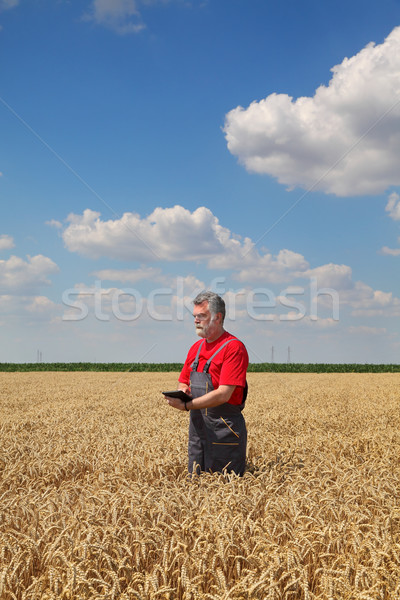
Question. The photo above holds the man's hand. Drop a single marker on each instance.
(209, 400)
(175, 402)
(185, 388)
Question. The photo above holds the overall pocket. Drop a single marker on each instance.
(225, 432)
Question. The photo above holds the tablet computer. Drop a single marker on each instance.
(178, 394)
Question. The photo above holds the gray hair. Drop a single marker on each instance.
(215, 303)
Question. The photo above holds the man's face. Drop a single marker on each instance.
(206, 324)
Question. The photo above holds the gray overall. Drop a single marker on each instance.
(217, 436)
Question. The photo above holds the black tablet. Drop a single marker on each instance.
(178, 394)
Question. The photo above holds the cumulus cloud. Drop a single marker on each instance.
(338, 277)
(367, 302)
(37, 308)
(390, 251)
(121, 16)
(393, 206)
(176, 234)
(6, 242)
(362, 298)
(169, 234)
(253, 266)
(20, 276)
(40, 304)
(344, 140)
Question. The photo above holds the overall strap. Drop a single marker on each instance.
(207, 365)
(195, 363)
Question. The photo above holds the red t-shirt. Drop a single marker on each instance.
(227, 368)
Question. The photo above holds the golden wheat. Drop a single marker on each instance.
(95, 502)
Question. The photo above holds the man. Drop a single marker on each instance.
(214, 375)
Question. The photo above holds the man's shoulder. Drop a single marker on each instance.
(232, 349)
(234, 341)
(231, 336)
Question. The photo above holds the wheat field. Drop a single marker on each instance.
(95, 502)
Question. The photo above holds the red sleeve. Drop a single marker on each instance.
(234, 365)
(184, 376)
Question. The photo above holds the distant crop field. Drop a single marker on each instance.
(95, 502)
(167, 367)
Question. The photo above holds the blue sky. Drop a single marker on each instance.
(152, 148)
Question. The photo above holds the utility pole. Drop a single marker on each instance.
(288, 355)
(272, 354)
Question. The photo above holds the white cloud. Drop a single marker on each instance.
(6, 242)
(362, 296)
(338, 277)
(54, 223)
(268, 268)
(41, 305)
(344, 140)
(38, 308)
(176, 234)
(390, 251)
(167, 234)
(367, 302)
(19, 276)
(393, 206)
(121, 16)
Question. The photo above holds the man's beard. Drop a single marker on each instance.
(203, 331)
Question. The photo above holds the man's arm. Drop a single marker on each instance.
(214, 398)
